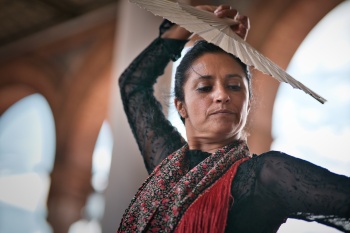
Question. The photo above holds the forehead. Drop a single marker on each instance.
(216, 62)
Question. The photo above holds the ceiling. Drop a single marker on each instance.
(21, 18)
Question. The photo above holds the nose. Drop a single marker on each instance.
(221, 95)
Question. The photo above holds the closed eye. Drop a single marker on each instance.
(204, 89)
(235, 87)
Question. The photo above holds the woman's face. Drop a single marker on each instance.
(216, 98)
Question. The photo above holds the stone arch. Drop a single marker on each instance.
(283, 39)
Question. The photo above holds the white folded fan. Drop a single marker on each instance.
(217, 31)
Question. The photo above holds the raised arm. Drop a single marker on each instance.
(155, 136)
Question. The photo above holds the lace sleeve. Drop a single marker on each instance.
(155, 136)
(306, 191)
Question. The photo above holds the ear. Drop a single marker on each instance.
(180, 106)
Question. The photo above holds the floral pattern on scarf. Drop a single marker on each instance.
(171, 188)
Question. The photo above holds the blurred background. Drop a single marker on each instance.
(68, 160)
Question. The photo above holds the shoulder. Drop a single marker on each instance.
(276, 159)
(260, 172)
(275, 166)
(267, 160)
(273, 155)
(270, 169)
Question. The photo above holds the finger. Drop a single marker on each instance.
(243, 32)
(240, 30)
(244, 20)
(225, 11)
(223, 7)
(229, 13)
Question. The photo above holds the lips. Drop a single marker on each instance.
(222, 111)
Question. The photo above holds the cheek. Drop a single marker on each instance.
(196, 107)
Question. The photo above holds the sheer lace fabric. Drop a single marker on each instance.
(267, 189)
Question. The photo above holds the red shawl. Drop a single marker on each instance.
(176, 199)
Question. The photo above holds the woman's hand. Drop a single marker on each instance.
(240, 29)
(222, 11)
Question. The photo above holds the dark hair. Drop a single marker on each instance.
(200, 48)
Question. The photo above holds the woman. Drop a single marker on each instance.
(211, 183)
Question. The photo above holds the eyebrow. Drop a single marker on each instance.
(228, 76)
(209, 77)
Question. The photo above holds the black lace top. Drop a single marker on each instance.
(267, 189)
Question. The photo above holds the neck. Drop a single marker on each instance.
(209, 145)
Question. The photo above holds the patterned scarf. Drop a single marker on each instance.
(174, 198)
